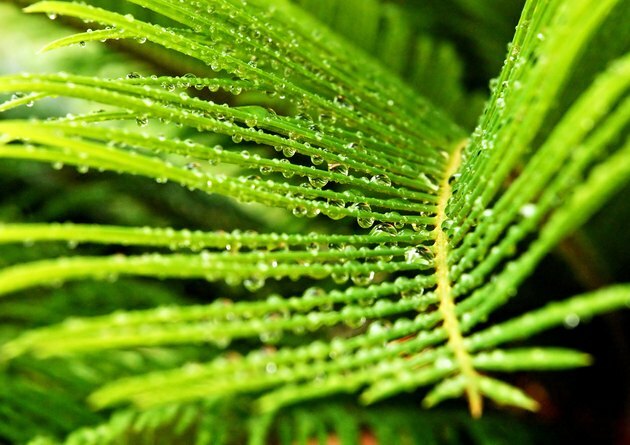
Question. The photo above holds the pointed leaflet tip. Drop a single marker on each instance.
(506, 394)
(36, 7)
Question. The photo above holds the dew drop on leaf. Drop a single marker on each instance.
(222, 342)
(412, 293)
(317, 160)
(444, 363)
(288, 151)
(418, 255)
(381, 180)
(299, 211)
(362, 278)
(338, 168)
(253, 284)
(336, 204)
(527, 210)
(384, 229)
(317, 182)
(364, 222)
(142, 121)
(340, 277)
(168, 86)
(571, 321)
(271, 336)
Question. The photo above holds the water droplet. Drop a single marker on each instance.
(299, 211)
(418, 255)
(286, 173)
(253, 284)
(52, 15)
(364, 222)
(270, 337)
(356, 322)
(338, 168)
(336, 204)
(385, 256)
(467, 280)
(412, 293)
(317, 160)
(454, 178)
(288, 151)
(417, 227)
(142, 121)
(444, 363)
(222, 342)
(528, 210)
(384, 228)
(170, 87)
(429, 181)
(340, 277)
(317, 182)
(362, 278)
(377, 328)
(314, 292)
(313, 212)
(381, 180)
(133, 75)
(571, 321)
(273, 334)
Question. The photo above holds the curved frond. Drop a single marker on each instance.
(408, 233)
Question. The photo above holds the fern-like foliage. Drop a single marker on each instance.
(434, 227)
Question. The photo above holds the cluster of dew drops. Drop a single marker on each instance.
(419, 254)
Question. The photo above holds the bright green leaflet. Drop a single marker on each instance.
(448, 224)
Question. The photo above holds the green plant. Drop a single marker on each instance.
(434, 228)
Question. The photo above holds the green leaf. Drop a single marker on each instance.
(386, 236)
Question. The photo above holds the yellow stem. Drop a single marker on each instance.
(444, 289)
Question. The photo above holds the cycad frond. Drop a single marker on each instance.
(435, 230)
